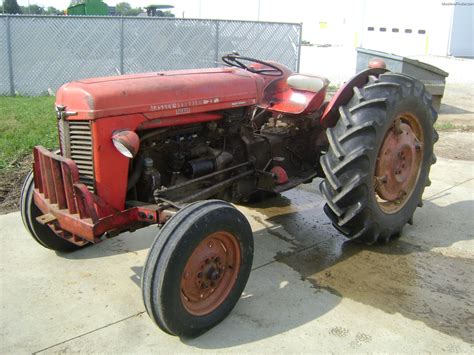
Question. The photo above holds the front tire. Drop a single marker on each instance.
(379, 158)
(197, 268)
(39, 232)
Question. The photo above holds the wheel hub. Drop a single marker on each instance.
(398, 163)
(210, 273)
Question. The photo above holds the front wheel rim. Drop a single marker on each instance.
(210, 273)
(399, 163)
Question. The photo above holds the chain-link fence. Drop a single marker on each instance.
(40, 53)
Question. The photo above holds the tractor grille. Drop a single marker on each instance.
(76, 143)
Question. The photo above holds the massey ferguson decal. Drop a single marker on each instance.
(184, 104)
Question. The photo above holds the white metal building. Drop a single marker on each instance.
(419, 27)
(405, 27)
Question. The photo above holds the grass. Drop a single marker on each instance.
(445, 126)
(24, 123)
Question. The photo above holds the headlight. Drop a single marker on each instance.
(126, 142)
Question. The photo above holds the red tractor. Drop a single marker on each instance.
(169, 148)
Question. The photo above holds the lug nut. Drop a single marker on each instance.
(396, 126)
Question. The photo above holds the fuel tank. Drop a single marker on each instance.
(161, 94)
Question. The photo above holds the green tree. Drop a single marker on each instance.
(125, 9)
(33, 10)
(135, 11)
(122, 8)
(11, 7)
(53, 11)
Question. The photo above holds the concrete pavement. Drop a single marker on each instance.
(309, 290)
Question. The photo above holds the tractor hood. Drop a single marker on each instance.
(161, 94)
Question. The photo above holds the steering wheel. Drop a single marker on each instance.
(234, 60)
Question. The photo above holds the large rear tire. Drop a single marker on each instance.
(197, 268)
(39, 232)
(379, 158)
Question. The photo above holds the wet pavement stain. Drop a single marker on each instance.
(398, 277)
(274, 230)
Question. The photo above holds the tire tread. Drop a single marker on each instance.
(352, 141)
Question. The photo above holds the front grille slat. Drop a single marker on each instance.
(81, 159)
(86, 181)
(87, 175)
(78, 148)
(76, 143)
(81, 137)
(84, 155)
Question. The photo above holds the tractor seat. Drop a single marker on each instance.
(306, 82)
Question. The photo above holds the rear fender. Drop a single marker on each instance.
(344, 94)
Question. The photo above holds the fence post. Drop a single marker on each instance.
(216, 49)
(299, 48)
(121, 45)
(9, 56)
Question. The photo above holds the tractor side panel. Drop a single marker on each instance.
(111, 167)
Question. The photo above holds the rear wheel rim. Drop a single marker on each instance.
(399, 163)
(210, 273)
